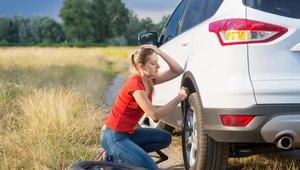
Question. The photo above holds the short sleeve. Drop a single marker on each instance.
(135, 83)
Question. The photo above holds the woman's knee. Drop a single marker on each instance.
(166, 137)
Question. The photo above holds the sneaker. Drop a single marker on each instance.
(100, 154)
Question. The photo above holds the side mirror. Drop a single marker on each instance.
(148, 38)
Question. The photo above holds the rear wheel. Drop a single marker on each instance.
(199, 150)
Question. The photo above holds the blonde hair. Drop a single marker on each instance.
(141, 56)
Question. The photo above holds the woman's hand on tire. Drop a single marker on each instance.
(184, 93)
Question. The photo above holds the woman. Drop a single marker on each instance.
(121, 140)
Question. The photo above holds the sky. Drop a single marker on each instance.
(155, 9)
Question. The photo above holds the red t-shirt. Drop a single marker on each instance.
(125, 112)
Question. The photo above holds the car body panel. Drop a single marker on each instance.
(254, 132)
(274, 67)
(167, 91)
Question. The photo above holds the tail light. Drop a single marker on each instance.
(236, 120)
(242, 31)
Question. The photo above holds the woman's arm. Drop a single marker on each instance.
(157, 113)
(174, 68)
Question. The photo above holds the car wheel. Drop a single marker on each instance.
(199, 150)
(148, 122)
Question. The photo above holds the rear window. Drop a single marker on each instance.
(287, 8)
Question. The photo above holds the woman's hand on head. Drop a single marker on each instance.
(183, 93)
(153, 47)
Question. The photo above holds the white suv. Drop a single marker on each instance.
(242, 66)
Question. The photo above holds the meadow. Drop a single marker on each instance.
(52, 102)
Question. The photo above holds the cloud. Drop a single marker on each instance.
(154, 9)
(152, 5)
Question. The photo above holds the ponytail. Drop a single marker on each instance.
(132, 64)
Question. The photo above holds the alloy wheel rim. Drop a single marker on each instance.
(190, 136)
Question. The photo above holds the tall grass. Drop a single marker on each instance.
(51, 102)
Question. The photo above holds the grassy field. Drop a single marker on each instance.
(51, 103)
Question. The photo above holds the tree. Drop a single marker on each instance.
(4, 28)
(133, 29)
(117, 16)
(23, 29)
(98, 12)
(51, 31)
(147, 24)
(109, 19)
(13, 33)
(77, 19)
(34, 28)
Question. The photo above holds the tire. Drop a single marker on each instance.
(199, 150)
(100, 165)
(148, 122)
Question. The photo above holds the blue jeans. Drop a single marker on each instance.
(133, 149)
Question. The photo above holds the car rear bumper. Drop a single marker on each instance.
(270, 123)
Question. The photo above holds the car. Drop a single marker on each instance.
(241, 63)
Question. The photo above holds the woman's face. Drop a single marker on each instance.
(151, 67)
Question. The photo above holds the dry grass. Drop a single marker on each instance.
(51, 100)
(272, 161)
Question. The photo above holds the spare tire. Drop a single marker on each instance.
(100, 165)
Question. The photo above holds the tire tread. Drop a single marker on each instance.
(212, 155)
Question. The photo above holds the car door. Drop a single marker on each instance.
(177, 39)
(169, 43)
(179, 47)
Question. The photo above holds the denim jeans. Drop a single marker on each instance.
(133, 149)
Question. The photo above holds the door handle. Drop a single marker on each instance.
(185, 42)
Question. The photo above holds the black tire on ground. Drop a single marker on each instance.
(101, 165)
(200, 152)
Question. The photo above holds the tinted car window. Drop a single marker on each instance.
(171, 28)
(287, 8)
(194, 14)
(212, 7)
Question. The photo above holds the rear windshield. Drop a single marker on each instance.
(287, 8)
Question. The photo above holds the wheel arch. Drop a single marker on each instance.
(189, 81)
